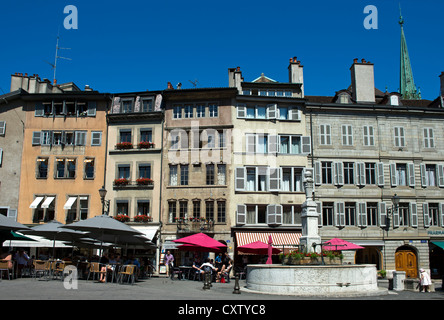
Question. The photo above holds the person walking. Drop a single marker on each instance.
(425, 281)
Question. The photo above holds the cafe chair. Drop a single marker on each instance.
(178, 272)
(129, 272)
(41, 268)
(95, 268)
(58, 270)
(4, 266)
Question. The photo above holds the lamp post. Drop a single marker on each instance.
(392, 210)
(102, 193)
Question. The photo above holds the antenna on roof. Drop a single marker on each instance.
(194, 83)
(54, 66)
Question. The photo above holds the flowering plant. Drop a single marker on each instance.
(144, 181)
(145, 145)
(124, 145)
(142, 218)
(122, 217)
(121, 182)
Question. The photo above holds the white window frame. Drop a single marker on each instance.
(325, 134)
(399, 136)
(347, 135)
(429, 140)
(368, 136)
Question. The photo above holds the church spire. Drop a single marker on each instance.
(407, 85)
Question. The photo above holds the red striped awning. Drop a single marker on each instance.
(278, 238)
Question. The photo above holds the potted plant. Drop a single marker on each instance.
(122, 217)
(145, 145)
(142, 218)
(121, 182)
(124, 145)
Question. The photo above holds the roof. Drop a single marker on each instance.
(263, 79)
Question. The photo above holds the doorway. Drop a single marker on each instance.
(369, 255)
(405, 260)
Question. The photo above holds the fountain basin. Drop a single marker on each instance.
(312, 280)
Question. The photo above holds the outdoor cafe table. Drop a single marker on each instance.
(186, 271)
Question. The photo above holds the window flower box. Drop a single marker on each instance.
(121, 182)
(142, 218)
(122, 218)
(144, 181)
(124, 145)
(145, 145)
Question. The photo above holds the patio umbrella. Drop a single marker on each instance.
(337, 244)
(10, 224)
(257, 247)
(11, 235)
(201, 240)
(270, 250)
(54, 230)
(190, 247)
(103, 225)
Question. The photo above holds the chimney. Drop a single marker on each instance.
(441, 76)
(296, 73)
(363, 81)
(235, 78)
(170, 86)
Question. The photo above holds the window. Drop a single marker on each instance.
(65, 168)
(256, 214)
(183, 209)
(127, 106)
(433, 214)
(147, 105)
(327, 172)
(46, 138)
(221, 174)
(256, 179)
(257, 143)
(222, 139)
(42, 168)
(196, 208)
(96, 138)
(347, 135)
(89, 168)
(125, 136)
(123, 171)
(221, 211)
(171, 211)
(283, 113)
(291, 180)
(145, 171)
(399, 137)
(143, 207)
(369, 139)
(261, 112)
(209, 210)
(200, 111)
(370, 173)
(350, 214)
(325, 134)
(404, 215)
(183, 174)
(173, 175)
(401, 174)
(349, 173)
(291, 214)
(177, 112)
(289, 144)
(122, 207)
(188, 111)
(146, 135)
(57, 138)
(430, 175)
(77, 208)
(80, 139)
(372, 214)
(213, 110)
(210, 174)
(429, 141)
(44, 210)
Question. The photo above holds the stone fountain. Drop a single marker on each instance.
(313, 280)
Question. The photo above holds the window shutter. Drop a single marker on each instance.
(306, 144)
(12, 214)
(275, 175)
(272, 111)
(240, 178)
(425, 211)
(96, 138)
(36, 137)
(380, 174)
(91, 109)
(393, 179)
(423, 175)
(413, 214)
(241, 214)
(278, 214)
(440, 175)
(2, 128)
(1, 157)
(241, 111)
(317, 173)
(363, 213)
(80, 138)
(441, 213)
(274, 214)
(396, 220)
(340, 214)
(39, 109)
(360, 174)
(338, 177)
(295, 114)
(382, 214)
(319, 210)
(411, 174)
(273, 144)
(251, 143)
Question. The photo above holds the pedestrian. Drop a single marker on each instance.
(169, 261)
(425, 281)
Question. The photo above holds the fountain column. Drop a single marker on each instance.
(310, 216)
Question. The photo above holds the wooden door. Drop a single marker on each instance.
(406, 261)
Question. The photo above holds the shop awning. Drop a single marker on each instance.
(69, 203)
(279, 238)
(148, 232)
(36, 202)
(47, 202)
(439, 244)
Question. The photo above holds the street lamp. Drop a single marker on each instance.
(392, 210)
(102, 193)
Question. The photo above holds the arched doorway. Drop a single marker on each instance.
(406, 260)
(369, 255)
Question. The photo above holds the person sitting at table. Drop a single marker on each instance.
(22, 261)
(226, 268)
(196, 266)
(218, 261)
(207, 267)
(6, 255)
(103, 269)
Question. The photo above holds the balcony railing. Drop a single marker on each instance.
(194, 225)
(141, 183)
(130, 146)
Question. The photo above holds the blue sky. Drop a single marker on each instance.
(125, 46)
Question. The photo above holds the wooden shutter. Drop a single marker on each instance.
(362, 212)
(250, 143)
(317, 173)
(96, 138)
(36, 138)
(338, 177)
(340, 214)
(272, 111)
(411, 174)
(413, 214)
(240, 178)
(12, 214)
(380, 174)
(440, 175)
(241, 111)
(241, 214)
(275, 175)
(306, 144)
(382, 214)
(294, 114)
(273, 144)
(441, 213)
(393, 179)
(423, 175)
(425, 211)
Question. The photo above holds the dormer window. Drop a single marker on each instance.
(344, 98)
(394, 100)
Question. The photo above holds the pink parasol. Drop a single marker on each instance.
(257, 247)
(337, 244)
(270, 250)
(191, 247)
(201, 240)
